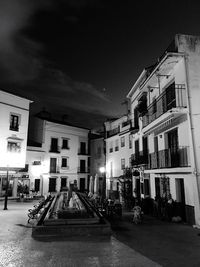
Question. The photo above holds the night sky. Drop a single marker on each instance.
(81, 57)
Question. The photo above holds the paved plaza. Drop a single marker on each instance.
(154, 243)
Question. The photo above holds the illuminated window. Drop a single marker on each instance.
(14, 147)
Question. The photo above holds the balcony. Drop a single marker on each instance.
(172, 98)
(169, 159)
(139, 159)
(83, 152)
(83, 170)
(54, 149)
(54, 169)
(113, 132)
(126, 123)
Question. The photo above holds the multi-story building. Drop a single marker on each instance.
(14, 117)
(118, 152)
(62, 158)
(165, 99)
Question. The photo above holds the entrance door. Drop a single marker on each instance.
(180, 198)
(52, 184)
(82, 184)
(157, 187)
(63, 182)
(37, 185)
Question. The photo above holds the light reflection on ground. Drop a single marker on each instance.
(18, 248)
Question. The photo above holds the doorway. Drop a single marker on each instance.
(180, 198)
(63, 183)
(52, 185)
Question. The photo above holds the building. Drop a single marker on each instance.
(60, 156)
(97, 162)
(118, 141)
(165, 99)
(14, 117)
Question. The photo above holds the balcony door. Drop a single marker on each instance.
(173, 147)
(54, 144)
(83, 148)
(82, 165)
(171, 97)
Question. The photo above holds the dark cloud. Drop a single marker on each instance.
(25, 69)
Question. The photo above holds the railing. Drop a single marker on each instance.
(83, 152)
(54, 169)
(55, 149)
(169, 159)
(140, 158)
(113, 132)
(83, 170)
(125, 123)
(172, 97)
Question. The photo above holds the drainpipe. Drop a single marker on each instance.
(191, 128)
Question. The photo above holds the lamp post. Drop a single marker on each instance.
(6, 193)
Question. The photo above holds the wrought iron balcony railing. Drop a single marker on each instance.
(173, 97)
(169, 159)
(139, 159)
(54, 149)
(83, 170)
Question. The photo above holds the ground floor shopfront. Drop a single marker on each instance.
(17, 184)
(46, 183)
(154, 188)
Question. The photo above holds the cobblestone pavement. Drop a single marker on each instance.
(18, 248)
(154, 243)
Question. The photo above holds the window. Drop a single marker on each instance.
(14, 147)
(122, 141)
(65, 143)
(122, 164)
(64, 163)
(14, 122)
(111, 147)
(54, 145)
(130, 141)
(117, 145)
(82, 148)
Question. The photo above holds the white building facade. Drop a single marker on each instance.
(118, 153)
(165, 98)
(14, 117)
(61, 160)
